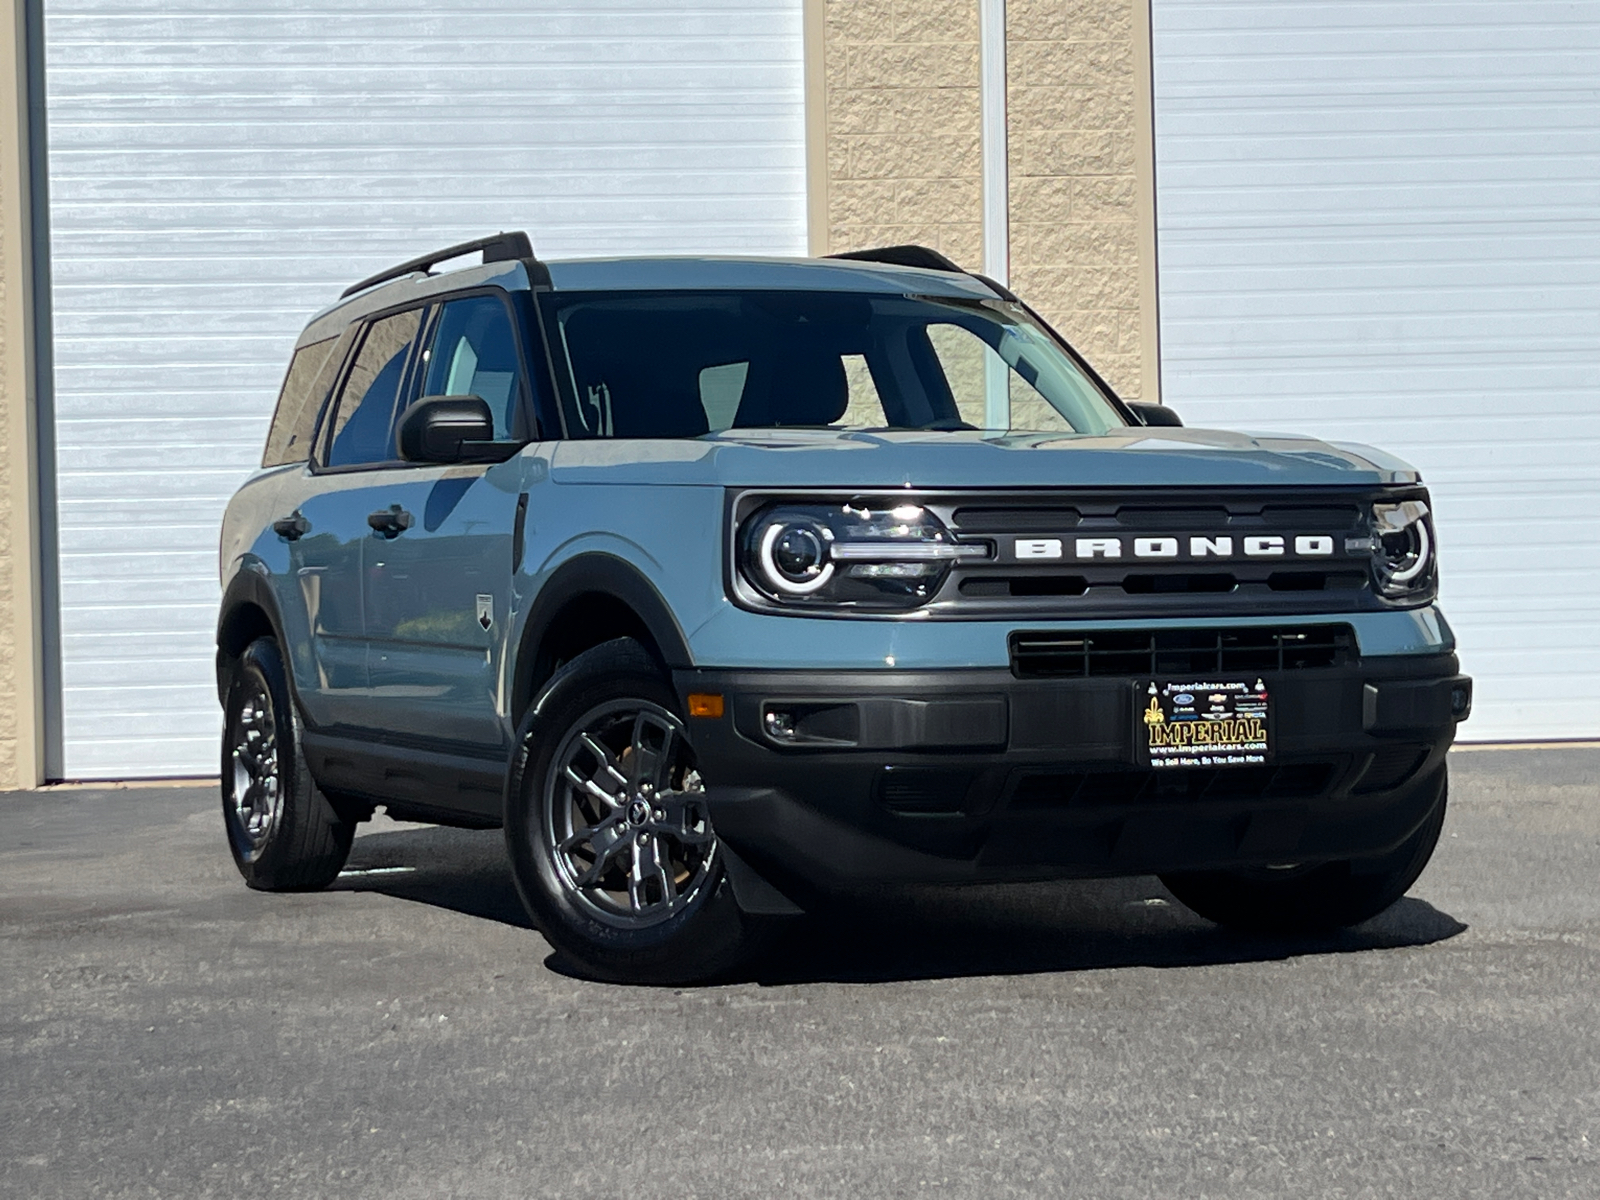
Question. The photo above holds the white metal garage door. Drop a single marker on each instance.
(1379, 220)
(219, 171)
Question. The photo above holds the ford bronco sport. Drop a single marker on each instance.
(726, 584)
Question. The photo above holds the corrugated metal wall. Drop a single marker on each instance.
(1379, 220)
(219, 171)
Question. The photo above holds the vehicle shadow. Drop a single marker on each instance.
(908, 933)
(463, 870)
(1072, 925)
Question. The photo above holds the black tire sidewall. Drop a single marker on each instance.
(695, 944)
(305, 818)
(1328, 897)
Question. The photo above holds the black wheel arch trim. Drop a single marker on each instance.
(596, 572)
(250, 587)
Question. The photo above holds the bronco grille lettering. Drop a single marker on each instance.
(1170, 548)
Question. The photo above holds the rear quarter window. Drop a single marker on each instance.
(295, 419)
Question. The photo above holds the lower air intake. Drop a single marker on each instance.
(1165, 651)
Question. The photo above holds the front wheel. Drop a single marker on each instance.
(1297, 900)
(608, 830)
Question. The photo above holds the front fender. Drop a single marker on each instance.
(586, 574)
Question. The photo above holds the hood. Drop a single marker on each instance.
(857, 460)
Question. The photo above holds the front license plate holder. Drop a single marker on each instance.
(1202, 722)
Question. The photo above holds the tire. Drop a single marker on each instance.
(608, 833)
(1313, 899)
(284, 834)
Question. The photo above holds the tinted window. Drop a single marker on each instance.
(688, 363)
(295, 419)
(363, 424)
(474, 353)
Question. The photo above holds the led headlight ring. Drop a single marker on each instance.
(1420, 563)
(776, 577)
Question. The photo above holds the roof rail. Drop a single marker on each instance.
(928, 259)
(502, 247)
(903, 256)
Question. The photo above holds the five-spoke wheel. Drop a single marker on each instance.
(627, 817)
(609, 829)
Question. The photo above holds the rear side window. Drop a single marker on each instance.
(363, 421)
(295, 419)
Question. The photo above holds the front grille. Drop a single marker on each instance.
(1105, 554)
(1288, 781)
(1180, 651)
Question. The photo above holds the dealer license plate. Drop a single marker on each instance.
(1203, 723)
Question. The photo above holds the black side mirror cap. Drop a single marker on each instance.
(1154, 414)
(450, 429)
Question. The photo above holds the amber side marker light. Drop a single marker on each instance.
(705, 704)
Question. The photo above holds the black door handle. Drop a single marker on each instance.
(291, 528)
(391, 521)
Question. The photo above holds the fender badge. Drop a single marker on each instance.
(485, 611)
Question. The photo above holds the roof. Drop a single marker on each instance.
(775, 274)
(660, 273)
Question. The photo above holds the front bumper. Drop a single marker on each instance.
(975, 775)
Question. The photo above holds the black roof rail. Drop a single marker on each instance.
(925, 257)
(903, 256)
(502, 247)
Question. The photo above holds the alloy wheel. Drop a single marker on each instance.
(626, 818)
(257, 793)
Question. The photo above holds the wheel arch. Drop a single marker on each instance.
(248, 611)
(591, 599)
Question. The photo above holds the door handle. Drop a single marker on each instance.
(291, 528)
(391, 522)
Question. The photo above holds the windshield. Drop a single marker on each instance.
(682, 364)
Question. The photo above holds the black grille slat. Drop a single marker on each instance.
(1252, 649)
(1390, 767)
(1014, 520)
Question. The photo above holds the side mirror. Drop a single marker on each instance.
(1154, 414)
(450, 429)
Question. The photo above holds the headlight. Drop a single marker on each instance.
(1402, 546)
(858, 554)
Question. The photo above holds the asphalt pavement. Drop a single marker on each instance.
(164, 1032)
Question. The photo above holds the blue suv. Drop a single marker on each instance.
(724, 585)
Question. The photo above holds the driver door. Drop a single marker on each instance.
(438, 591)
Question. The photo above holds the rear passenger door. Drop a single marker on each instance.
(333, 503)
(438, 592)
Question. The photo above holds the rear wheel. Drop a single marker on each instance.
(284, 834)
(608, 830)
(1314, 898)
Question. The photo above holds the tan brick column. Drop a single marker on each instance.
(896, 131)
(902, 125)
(21, 699)
(1075, 121)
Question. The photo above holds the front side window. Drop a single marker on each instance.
(295, 418)
(682, 364)
(474, 353)
(363, 420)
